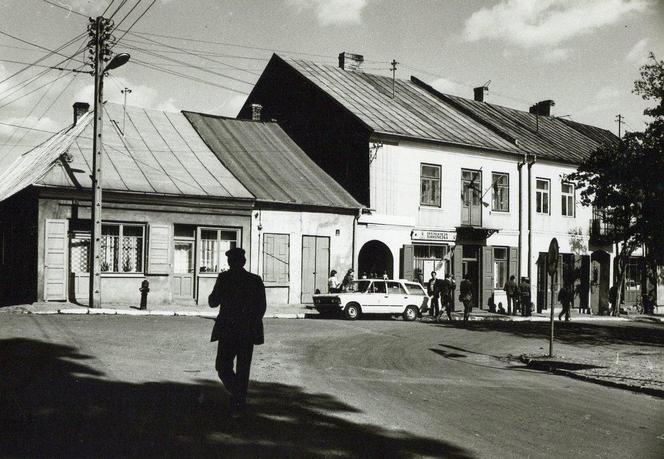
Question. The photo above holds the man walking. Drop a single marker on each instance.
(446, 289)
(239, 325)
(565, 298)
(466, 296)
(433, 290)
(524, 292)
(511, 290)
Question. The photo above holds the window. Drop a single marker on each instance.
(276, 257)
(395, 288)
(500, 266)
(542, 196)
(501, 192)
(121, 248)
(429, 258)
(430, 185)
(378, 287)
(567, 199)
(213, 245)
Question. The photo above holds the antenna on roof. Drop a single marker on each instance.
(124, 91)
(394, 71)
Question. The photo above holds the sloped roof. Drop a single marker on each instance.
(269, 163)
(419, 111)
(413, 112)
(32, 165)
(160, 153)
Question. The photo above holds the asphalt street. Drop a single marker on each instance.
(117, 386)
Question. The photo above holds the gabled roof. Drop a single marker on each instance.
(419, 111)
(160, 153)
(269, 163)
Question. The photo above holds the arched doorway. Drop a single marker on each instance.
(375, 257)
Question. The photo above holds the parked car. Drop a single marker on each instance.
(375, 296)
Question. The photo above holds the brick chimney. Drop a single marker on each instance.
(349, 61)
(542, 108)
(256, 112)
(479, 93)
(80, 109)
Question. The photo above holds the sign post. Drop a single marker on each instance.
(552, 268)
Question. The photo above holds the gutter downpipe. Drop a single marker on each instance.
(519, 166)
(532, 161)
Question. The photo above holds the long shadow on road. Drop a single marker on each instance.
(54, 405)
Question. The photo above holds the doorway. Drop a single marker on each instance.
(375, 259)
(315, 266)
(471, 197)
(599, 281)
(183, 269)
(470, 268)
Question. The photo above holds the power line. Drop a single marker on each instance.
(52, 67)
(134, 23)
(138, 2)
(68, 9)
(31, 128)
(34, 90)
(122, 3)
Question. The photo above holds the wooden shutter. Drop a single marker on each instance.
(514, 264)
(276, 257)
(55, 260)
(487, 277)
(408, 262)
(458, 265)
(159, 249)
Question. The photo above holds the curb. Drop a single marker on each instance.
(542, 366)
(161, 313)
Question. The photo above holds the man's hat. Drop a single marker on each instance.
(235, 253)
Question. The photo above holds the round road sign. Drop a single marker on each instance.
(552, 257)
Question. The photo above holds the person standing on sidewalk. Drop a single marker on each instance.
(446, 292)
(433, 290)
(239, 325)
(524, 292)
(565, 298)
(512, 292)
(333, 282)
(466, 296)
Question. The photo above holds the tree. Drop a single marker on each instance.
(626, 178)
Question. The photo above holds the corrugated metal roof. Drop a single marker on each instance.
(269, 163)
(159, 153)
(29, 167)
(599, 135)
(413, 112)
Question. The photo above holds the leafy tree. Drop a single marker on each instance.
(626, 179)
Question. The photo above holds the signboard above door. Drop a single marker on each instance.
(425, 235)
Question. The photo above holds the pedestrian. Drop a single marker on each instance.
(446, 292)
(333, 282)
(363, 276)
(385, 276)
(565, 298)
(613, 299)
(511, 290)
(239, 325)
(524, 291)
(433, 290)
(347, 282)
(466, 296)
(452, 293)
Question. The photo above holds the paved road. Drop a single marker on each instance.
(128, 386)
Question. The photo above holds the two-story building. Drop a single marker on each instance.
(450, 184)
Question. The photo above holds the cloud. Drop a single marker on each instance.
(607, 93)
(333, 12)
(449, 87)
(140, 96)
(529, 24)
(553, 55)
(639, 52)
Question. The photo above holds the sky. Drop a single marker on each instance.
(583, 54)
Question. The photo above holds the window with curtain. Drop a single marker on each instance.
(501, 192)
(214, 242)
(122, 248)
(500, 266)
(430, 185)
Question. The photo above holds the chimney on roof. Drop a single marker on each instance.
(80, 109)
(256, 112)
(350, 61)
(542, 108)
(479, 93)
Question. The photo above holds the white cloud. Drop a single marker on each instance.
(607, 93)
(528, 23)
(333, 12)
(639, 52)
(449, 87)
(553, 55)
(140, 96)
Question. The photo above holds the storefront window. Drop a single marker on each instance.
(431, 258)
(213, 245)
(500, 267)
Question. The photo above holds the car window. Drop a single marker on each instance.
(415, 289)
(359, 286)
(395, 288)
(378, 287)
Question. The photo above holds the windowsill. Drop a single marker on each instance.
(568, 216)
(130, 275)
(208, 274)
(430, 206)
(276, 284)
(501, 212)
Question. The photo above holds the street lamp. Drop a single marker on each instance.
(100, 32)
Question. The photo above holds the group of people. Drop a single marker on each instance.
(333, 284)
(518, 296)
(441, 294)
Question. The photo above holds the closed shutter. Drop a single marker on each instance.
(514, 263)
(577, 281)
(55, 260)
(408, 262)
(458, 264)
(159, 254)
(276, 257)
(487, 277)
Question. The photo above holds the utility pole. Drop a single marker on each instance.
(394, 72)
(125, 91)
(620, 120)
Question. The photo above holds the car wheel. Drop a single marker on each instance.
(352, 311)
(410, 313)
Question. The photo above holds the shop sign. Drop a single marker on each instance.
(423, 235)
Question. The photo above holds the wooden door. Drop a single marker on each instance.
(183, 269)
(315, 266)
(55, 260)
(487, 277)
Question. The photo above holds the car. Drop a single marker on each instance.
(375, 296)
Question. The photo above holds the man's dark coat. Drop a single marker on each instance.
(241, 296)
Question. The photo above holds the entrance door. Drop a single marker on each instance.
(470, 268)
(633, 281)
(55, 260)
(315, 266)
(183, 269)
(471, 198)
